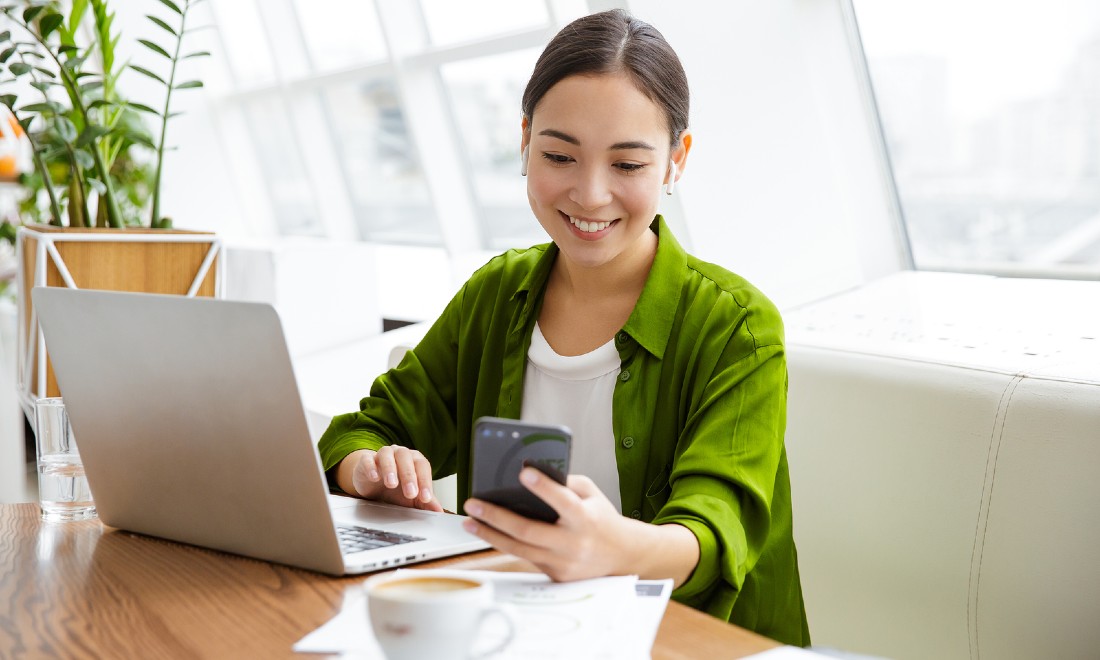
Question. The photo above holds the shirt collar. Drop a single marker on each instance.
(650, 324)
(535, 281)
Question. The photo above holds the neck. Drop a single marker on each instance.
(623, 276)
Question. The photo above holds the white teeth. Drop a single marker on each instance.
(590, 227)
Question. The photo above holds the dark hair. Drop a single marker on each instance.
(614, 42)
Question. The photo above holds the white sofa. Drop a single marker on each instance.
(944, 438)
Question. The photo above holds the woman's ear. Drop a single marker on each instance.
(524, 146)
(680, 151)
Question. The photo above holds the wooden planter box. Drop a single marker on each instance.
(168, 261)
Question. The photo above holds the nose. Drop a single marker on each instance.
(590, 189)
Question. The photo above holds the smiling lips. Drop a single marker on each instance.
(589, 226)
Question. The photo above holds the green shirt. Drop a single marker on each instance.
(698, 415)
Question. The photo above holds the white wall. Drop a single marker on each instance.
(785, 184)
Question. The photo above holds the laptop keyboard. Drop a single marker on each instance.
(358, 539)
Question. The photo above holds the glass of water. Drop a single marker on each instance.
(62, 487)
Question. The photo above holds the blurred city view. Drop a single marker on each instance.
(992, 123)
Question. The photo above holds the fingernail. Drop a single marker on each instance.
(391, 480)
(473, 508)
(470, 526)
(410, 491)
(529, 476)
(425, 495)
(374, 475)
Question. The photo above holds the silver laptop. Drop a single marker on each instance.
(191, 428)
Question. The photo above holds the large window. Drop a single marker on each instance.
(394, 122)
(991, 115)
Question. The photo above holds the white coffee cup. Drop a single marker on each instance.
(428, 615)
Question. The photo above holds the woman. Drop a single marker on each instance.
(670, 371)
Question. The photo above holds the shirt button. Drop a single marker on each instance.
(628, 442)
(636, 514)
(624, 376)
(623, 337)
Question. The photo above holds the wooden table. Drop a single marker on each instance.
(86, 590)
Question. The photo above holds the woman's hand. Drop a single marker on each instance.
(393, 474)
(589, 539)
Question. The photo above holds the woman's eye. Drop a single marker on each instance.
(558, 159)
(629, 167)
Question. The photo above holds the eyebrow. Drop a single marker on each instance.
(618, 146)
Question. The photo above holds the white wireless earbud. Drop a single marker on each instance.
(673, 172)
(523, 160)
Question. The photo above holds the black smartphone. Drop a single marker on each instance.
(503, 447)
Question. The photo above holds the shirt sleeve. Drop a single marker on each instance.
(411, 405)
(724, 473)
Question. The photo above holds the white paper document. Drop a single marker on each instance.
(604, 618)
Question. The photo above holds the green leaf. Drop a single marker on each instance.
(139, 138)
(46, 72)
(97, 185)
(171, 5)
(153, 47)
(84, 159)
(67, 48)
(8, 52)
(149, 73)
(30, 12)
(49, 155)
(49, 106)
(65, 128)
(42, 86)
(89, 86)
(190, 84)
(141, 108)
(163, 25)
(74, 63)
(175, 114)
(49, 23)
(8, 100)
(5, 35)
(76, 14)
(18, 69)
(201, 53)
(90, 133)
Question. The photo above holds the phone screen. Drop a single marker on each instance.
(502, 447)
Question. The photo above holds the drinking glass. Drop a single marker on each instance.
(63, 490)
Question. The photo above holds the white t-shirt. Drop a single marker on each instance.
(577, 391)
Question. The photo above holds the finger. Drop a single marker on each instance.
(530, 532)
(423, 478)
(405, 459)
(368, 467)
(364, 469)
(559, 497)
(582, 486)
(505, 543)
(434, 505)
(387, 466)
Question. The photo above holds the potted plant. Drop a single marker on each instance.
(97, 174)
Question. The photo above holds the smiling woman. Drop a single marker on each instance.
(670, 371)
